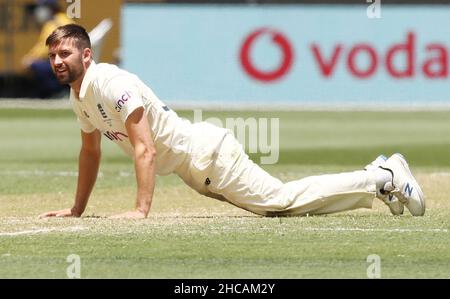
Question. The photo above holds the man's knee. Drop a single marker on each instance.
(271, 208)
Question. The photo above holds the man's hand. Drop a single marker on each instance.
(60, 213)
(130, 215)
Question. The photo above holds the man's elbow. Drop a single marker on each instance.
(151, 154)
(145, 153)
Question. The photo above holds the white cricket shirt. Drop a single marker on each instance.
(108, 95)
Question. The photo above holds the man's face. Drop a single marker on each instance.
(66, 61)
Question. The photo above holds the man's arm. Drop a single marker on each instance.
(88, 165)
(138, 130)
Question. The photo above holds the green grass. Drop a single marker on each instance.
(190, 236)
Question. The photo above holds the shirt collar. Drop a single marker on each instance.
(88, 77)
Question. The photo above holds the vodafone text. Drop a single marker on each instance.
(400, 60)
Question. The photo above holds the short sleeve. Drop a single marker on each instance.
(123, 96)
(85, 124)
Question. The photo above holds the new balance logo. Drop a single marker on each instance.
(408, 189)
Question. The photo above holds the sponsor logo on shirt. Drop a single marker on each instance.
(85, 114)
(111, 135)
(102, 111)
(123, 99)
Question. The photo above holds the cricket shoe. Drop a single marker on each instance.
(403, 185)
(395, 205)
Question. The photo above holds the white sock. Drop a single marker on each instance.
(383, 180)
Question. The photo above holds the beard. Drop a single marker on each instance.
(71, 72)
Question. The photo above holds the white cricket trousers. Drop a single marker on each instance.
(244, 184)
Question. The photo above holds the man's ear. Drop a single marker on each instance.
(87, 55)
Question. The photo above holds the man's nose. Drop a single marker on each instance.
(58, 60)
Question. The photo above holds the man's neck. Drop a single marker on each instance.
(76, 85)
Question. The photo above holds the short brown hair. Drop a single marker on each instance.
(74, 31)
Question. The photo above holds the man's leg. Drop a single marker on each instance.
(244, 184)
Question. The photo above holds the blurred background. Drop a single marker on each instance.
(245, 53)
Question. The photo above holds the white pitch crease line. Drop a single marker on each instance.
(31, 173)
(393, 230)
(125, 173)
(43, 231)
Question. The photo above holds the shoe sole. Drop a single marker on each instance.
(393, 210)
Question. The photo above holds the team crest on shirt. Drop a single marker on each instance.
(122, 101)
